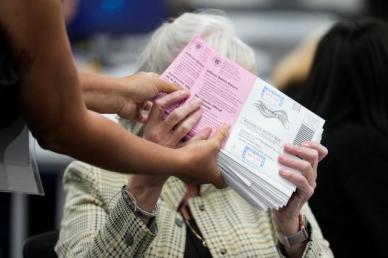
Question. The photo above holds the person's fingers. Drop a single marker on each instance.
(161, 104)
(186, 125)
(308, 154)
(221, 134)
(204, 134)
(300, 165)
(322, 150)
(299, 181)
(180, 113)
(165, 86)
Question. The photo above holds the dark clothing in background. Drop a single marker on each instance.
(351, 198)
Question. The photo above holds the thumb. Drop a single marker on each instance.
(221, 134)
(166, 87)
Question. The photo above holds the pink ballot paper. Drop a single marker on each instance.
(263, 120)
(222, 85)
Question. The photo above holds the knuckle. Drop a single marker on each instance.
(154, 136)
(159, 103)
(305, 166)
(183, 129)
(186, 127)
(298, 149)
(300, 180)
(176, 114)
(314, 154)
(293, 177)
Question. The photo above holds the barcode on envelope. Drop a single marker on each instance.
(304, 134)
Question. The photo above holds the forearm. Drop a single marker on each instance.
(52, 102)
(61, 123)
(103, 94)
(96, 140)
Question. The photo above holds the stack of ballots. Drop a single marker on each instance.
(262, 121)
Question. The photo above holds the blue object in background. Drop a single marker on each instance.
(116, 17)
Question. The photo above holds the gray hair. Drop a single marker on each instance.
(170, 38)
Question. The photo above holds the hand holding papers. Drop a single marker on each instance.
(263, 120)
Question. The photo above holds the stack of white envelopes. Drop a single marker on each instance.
(263, 120)
(249, 159)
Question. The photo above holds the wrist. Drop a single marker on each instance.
(181, 161)
(146, 190)
(287, 224)
(128, 89)
(294, 243)
(144, 215)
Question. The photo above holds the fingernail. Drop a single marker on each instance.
(283, 158)
(283, 173)
(197, 101)
(306, 144)
(288, 146)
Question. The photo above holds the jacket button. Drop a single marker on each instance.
(129, 239)
(179, 222)
(201, 207)
(223, 251)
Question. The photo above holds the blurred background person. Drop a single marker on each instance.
(348, 86)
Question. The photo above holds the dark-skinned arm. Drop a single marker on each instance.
(55, 111)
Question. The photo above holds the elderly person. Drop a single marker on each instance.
(110, 214)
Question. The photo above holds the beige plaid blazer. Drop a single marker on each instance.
(98, 223)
